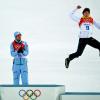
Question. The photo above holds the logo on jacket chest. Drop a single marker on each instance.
(18, 45)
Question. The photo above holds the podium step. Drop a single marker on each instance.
(31, 92)
(80, 96)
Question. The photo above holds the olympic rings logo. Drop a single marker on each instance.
(29, 94)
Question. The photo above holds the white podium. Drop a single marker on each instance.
(80, 96)
(31, 92)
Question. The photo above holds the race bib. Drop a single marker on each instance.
(86, 27)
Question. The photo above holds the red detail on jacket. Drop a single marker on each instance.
(18, 46)
(86, 20)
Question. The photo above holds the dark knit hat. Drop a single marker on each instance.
(86, 9)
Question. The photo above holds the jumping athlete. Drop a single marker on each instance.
(19, 50)
(86, 23)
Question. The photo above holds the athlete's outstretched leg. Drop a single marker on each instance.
(80, 49)
(94, 43)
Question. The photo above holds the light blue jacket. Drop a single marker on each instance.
(19, 58)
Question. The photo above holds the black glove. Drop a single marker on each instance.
(20, 50)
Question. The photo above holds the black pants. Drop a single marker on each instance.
(82, 44)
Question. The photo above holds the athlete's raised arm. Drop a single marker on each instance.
(73, 16)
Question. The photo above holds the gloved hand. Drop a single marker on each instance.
(20, 50)
(78, 7)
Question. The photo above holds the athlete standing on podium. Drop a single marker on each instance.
(86, 23)
(19, 50)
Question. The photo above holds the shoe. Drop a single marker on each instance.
(67, 61)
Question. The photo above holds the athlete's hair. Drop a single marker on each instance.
(86, 9)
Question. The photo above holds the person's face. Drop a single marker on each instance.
(86, 14)
(18, 37)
